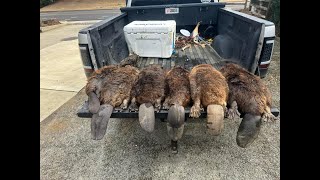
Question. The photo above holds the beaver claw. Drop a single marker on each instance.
(269, 117)
(124, 106)
(157, 108)
(195, 112)
(118, 109)
(133, 107)
(165, 106)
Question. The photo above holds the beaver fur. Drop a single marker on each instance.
(251, 96)
(94, 85)
(178, 96)
(209, 89)
(149, 87)
(247, 90)
(112, 86)
(177, 87)
(131, 60)
(148, 93)
(116, 88)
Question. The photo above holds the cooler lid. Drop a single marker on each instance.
(150, 26)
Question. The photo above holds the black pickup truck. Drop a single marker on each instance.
(243, 38)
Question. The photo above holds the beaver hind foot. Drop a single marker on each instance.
(147, 117)
(195, 111)
(94, 103)
(175, 125)
(215, 117)
(248, 130)
(232, 112)
(269, 117)
(99, 121)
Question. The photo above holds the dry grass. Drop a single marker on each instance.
(50, 22)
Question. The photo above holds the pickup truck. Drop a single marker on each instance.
(241, 37)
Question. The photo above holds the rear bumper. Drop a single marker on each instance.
(263, 72)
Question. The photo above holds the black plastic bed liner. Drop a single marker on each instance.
(188, 58)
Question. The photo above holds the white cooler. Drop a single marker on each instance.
(151, 38)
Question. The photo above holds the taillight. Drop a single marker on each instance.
(88, 71)
(264, 66)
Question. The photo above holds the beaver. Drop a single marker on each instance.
(94, 82)
(148, 93)
(94, 85)
(177, 92)
(209, 89)
(111, 87)
(250, 95)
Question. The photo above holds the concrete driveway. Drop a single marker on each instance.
(128, 152)
(61, 72)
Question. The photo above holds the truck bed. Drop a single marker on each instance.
(104, 43)
(188, 58)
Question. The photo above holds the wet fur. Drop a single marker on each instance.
(208, 85)
(116, 88)
(177, 87)
(108, 88)
(130, 60)
(150, 85)
(94, 83)
(112, 84)
(177, 98)
(248, 90)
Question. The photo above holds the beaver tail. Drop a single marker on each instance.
(147, 117)
(175, 125)
(215, 119)
(99, 121)
(248, 130)
(94, 103)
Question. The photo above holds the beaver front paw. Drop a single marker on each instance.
(195, 112)
(133, 107)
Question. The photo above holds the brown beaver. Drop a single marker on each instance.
(177, 93)
(148, 92)
(110, 87)
(209, 89)
(94, 85)
(252, 97)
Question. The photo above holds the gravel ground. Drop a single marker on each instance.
(127, 152)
